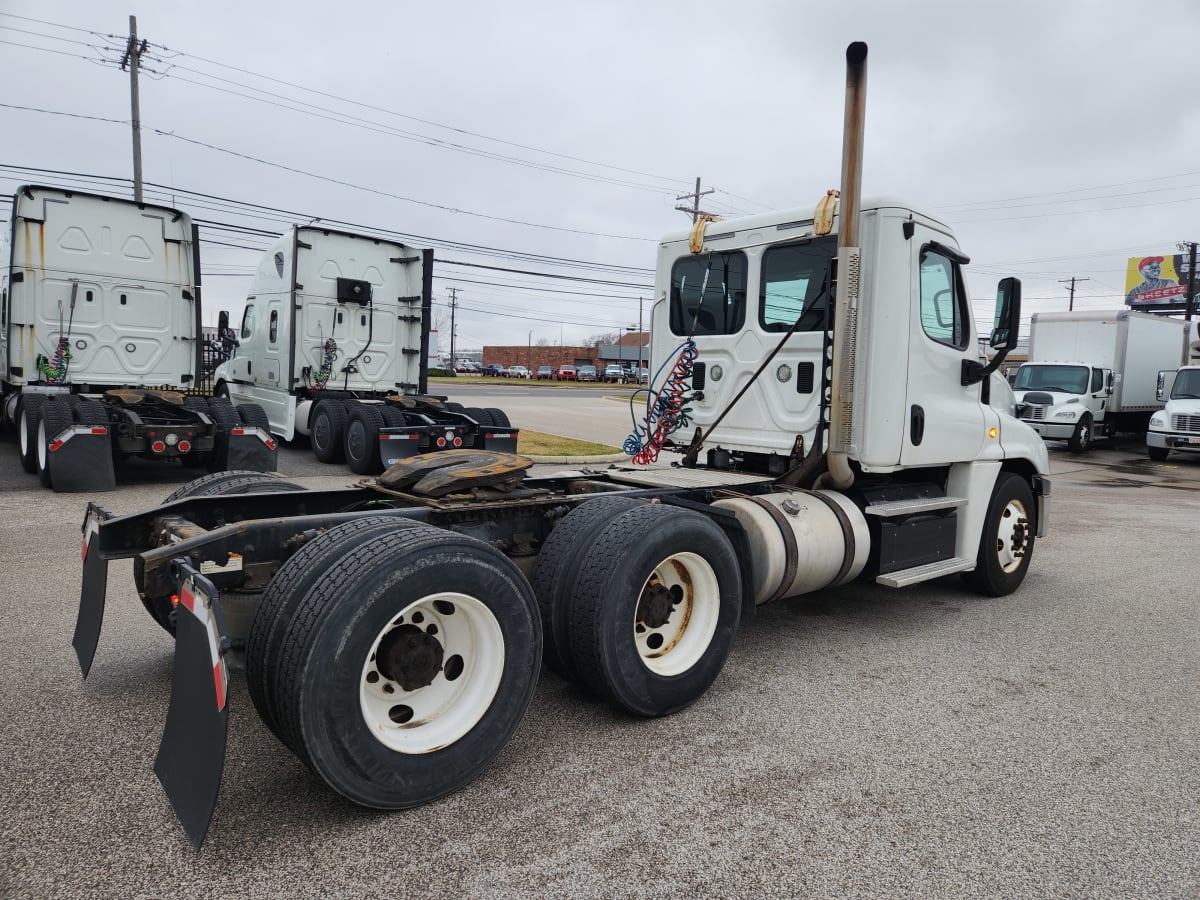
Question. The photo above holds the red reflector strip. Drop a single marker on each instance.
(400, 437)
(99, 429)
(200, 606)
(237, 431)
(270, 443)
(496, 434)
(54, 445)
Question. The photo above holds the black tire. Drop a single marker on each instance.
(499, 418)
(1081, 440)
(225, 417)
(555, 571)
(1006, 545)
(29, 416)
(362, 439)
(451, 406)
(1158, 454)
(286, 589)
(254, 416)
(480, 415)
(55, 416)
(334, 705)
(327, 431)
(218, 483)
(196, 402)
(90, 412)
(393, 417)
(221, 392)
(646, 567)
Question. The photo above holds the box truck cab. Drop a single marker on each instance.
(1177, 425)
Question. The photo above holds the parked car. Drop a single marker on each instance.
(613, 373)
(494, 369)
(466, 367)
(586, 373)
(545, 373)
(517, 372)
(566, 373)
(644, 375)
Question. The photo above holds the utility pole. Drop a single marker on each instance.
(453, 306)
(1072, 279)
(132, 58)
(641, 345)
(1189, 305)
(694, 210)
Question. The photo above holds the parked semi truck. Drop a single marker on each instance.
(334, 344)
(100, 328)
(822, 377)
(1093, 374)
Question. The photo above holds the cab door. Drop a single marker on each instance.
(944, 420)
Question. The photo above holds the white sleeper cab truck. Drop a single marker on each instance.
(1093, 374)
(1177, 425)
(823, 378)
(100, 339)
(334, 344)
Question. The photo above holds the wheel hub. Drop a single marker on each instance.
(409, 657)
(656, 604)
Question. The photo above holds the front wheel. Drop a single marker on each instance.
(1006, 546)
(1081, 440)
(654, 609)
(408, 667)
(1158, 454)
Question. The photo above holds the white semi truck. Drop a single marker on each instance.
(1092, 374)
(100, 350)
(334, 344)
(821, 375)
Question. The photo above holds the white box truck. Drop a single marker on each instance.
(334, 344)
(1177, 425)
(1092, 374)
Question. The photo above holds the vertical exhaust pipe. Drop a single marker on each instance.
(845, 325)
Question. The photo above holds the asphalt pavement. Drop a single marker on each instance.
(864, 742)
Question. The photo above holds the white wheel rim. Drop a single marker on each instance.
(433, 715)
(23, 434)
(41, 446)
(675, 645)
(1012, 536)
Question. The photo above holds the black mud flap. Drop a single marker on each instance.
(92, 589)
(251, 449)
(191, 756)
(80, 460)
(500, 440)
(397, 445)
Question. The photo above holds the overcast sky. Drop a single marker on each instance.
(1057, 138)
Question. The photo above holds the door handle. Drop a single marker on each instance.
(916, 425)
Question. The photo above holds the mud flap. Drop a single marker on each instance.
(80, 460)
(250, 449)
(92, 590)
(191, 756)
(501, 441)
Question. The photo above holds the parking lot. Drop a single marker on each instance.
(924, 742)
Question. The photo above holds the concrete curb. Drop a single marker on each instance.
(571, 460)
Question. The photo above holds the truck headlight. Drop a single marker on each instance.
(1158, 420)
(1067, 414)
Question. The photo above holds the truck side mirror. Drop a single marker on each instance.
(222, 322)
(1006, 326)
(1110, 383)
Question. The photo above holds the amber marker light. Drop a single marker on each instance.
(993, 433)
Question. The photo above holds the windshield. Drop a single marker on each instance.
(1064, 379)
(1187, 385)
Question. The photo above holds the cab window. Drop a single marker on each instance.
(1097, 380)
(943, 299)
(708, 294)
(795, 285)
(248, 321)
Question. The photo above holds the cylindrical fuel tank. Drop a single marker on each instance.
(303, 409)
(801, 541)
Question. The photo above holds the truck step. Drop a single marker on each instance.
(908, 507)
(927, 572)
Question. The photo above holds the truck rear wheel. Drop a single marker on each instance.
(655, 609)
(161, 608)
(55, 416)
(409, 666)
(555, 571)
(499, 417)
(326, 431)
(28, 416)
(253, 416)
(362, 439)
(1006, 546)
(1081, 440)
(286, 590)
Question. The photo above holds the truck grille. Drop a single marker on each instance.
(1035, 412)
(1186, 423)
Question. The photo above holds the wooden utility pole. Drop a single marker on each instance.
(1189, 299)
(453, 306)
(1072, 279)
(132, 58)
(694, 210)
